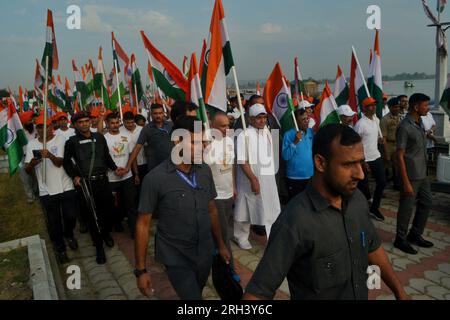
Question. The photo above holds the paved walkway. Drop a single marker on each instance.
(425, 275)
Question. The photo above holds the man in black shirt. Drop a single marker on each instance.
(324, 240)
(86, 156)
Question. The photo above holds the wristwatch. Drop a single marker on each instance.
(139, 272)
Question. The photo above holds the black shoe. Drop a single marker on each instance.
(72, 243)
(419, 241)
(101, 257)
(62, 257)
(259, 230)
(83, 227)
(108, 241)
(376, 214)
(404, 246)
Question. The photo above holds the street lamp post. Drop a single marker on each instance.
(441, 62)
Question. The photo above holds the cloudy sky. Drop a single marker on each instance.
(262, 32)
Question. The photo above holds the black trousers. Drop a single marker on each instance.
(60, 213)
(225, 211)
(101, 226)
(377, 169)
(126, 193)
(296, 186)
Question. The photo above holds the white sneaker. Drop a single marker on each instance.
(244, 245)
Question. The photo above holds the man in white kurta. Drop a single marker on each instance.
(257, 201)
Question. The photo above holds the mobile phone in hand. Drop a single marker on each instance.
(37, 154)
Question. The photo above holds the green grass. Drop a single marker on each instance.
(14, 275)
(18, 219)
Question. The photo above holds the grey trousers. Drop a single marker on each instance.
(225, 210)
(189, 282)
(423, 201)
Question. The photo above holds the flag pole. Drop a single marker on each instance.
(238, 95)
(118, 89)
(44, 142)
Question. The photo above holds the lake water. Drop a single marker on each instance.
(396, 88)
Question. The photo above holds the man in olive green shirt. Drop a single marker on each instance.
(389, 124)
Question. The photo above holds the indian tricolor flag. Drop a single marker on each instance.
(341, 90)
(50, 50)
(185, 66)
(258, 88)
(136, 82)
(326, 111)
(23, 99)
(100, 85)
(69, 95)
(202, 64)
(374, 81)
(357, 91)
(194, 93)
(12, 136)
(82, 88)
(120, 57)
(300, 90)
(166, 74)
(39, 77)
(218, 60)
(277, 98)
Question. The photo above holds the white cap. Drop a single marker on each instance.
(305, 104)
(257, 109)
(346, 110)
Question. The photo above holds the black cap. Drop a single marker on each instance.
(80, 115)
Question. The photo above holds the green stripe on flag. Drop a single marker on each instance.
(342, 98)
(228, 58)
(332, 117)
(166, 87)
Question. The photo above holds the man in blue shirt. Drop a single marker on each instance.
(297, 152)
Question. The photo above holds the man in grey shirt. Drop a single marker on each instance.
(154, 138)
(412, 162)
(183, 194)
(324, 240)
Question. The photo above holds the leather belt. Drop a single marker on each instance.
(98, 177)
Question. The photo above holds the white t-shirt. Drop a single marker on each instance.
(141, 160)
(428, 123)
(369, 130)
(57, 180)
(119, 148)
(221, 158)
(66, 134)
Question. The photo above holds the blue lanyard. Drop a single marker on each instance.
(192, 183)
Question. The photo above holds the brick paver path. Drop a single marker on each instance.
(425, 275)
